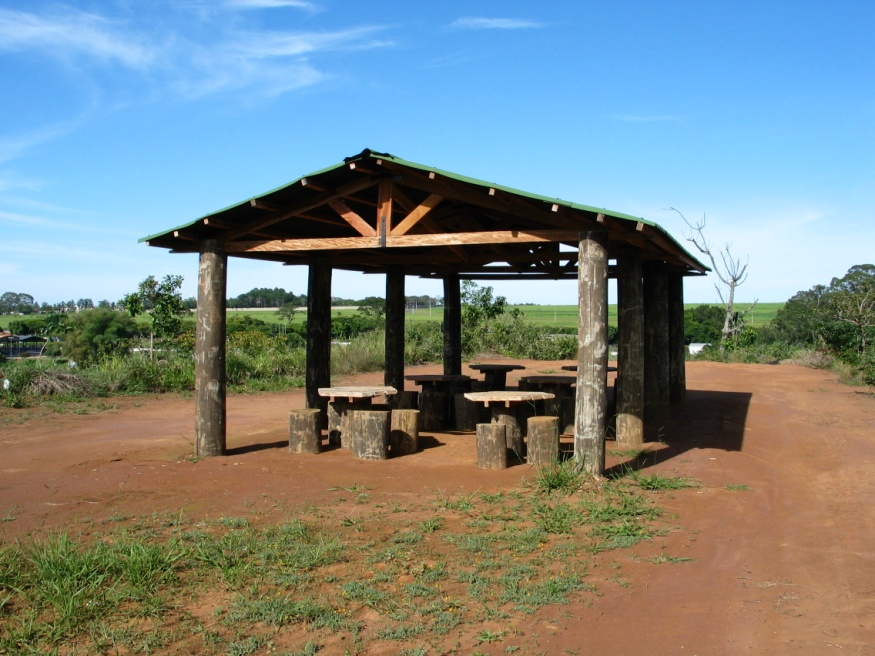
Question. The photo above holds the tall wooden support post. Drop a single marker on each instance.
(656, 361)
(677, 349)
(318, 333)
(630, 358)
(452, 325)
(209, 354)
(394, 373)
(591, 406)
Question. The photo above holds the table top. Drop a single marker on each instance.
(437, 378)
(550, 380)
(495, 367)
(358, 391)
(508, 396)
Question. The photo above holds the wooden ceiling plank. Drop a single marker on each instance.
(358, 223)
(416, 215)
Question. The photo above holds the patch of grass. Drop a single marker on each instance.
(463, 503)
(555, 518)
(565, 477)
(737, 487)
(620, 535)
(659, 482)
(431, 524)
(430, 576)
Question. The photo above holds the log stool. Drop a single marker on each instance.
(404, 432)
(369, 434)
(491, 446)
(543, 440)
(305, 434)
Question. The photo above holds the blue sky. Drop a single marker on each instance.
(121, 119)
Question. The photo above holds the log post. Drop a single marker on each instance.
(629, 386)
(210, 382)
(543, 440)
(305, 434)
(677, 349)
(433, 410)
(592, 352)
(369, 434)
(404, 432)
(656, 346)
(318, 372)
(452, 326)
(394, 372)
(465, 412)
(491, 446)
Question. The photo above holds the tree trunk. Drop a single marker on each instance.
(452, 325)
(629, 386)
(318, 372)
(656, 348)
(209, 358)
(592, 353)
(394, 372)
(677, 349)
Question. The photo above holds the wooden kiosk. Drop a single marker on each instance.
(377, 213)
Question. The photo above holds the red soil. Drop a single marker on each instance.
(787, 567)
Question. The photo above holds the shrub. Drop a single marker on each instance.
(95, 334)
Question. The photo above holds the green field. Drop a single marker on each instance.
(551, 315)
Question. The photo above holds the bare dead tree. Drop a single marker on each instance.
(730, 271)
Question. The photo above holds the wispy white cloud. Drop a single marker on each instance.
(645, 118)
(13, 147)
(30, 220)
(208, 58)
(480, 23)
(269, 63)
(73, 33)
(271, 4)
(263, 45)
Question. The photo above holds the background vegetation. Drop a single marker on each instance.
(103, 351)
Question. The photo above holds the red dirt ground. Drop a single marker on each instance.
(787, 567)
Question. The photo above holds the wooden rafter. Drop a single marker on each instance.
(416, 215)
(352, 218)
(290, 212)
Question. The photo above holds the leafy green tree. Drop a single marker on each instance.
(704, 324)
(373, 307)
(288, 312)
(163, 303)
(853, 303)
(479, 305)
(17, 303)
(95, 334)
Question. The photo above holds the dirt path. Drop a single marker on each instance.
(780, 534)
